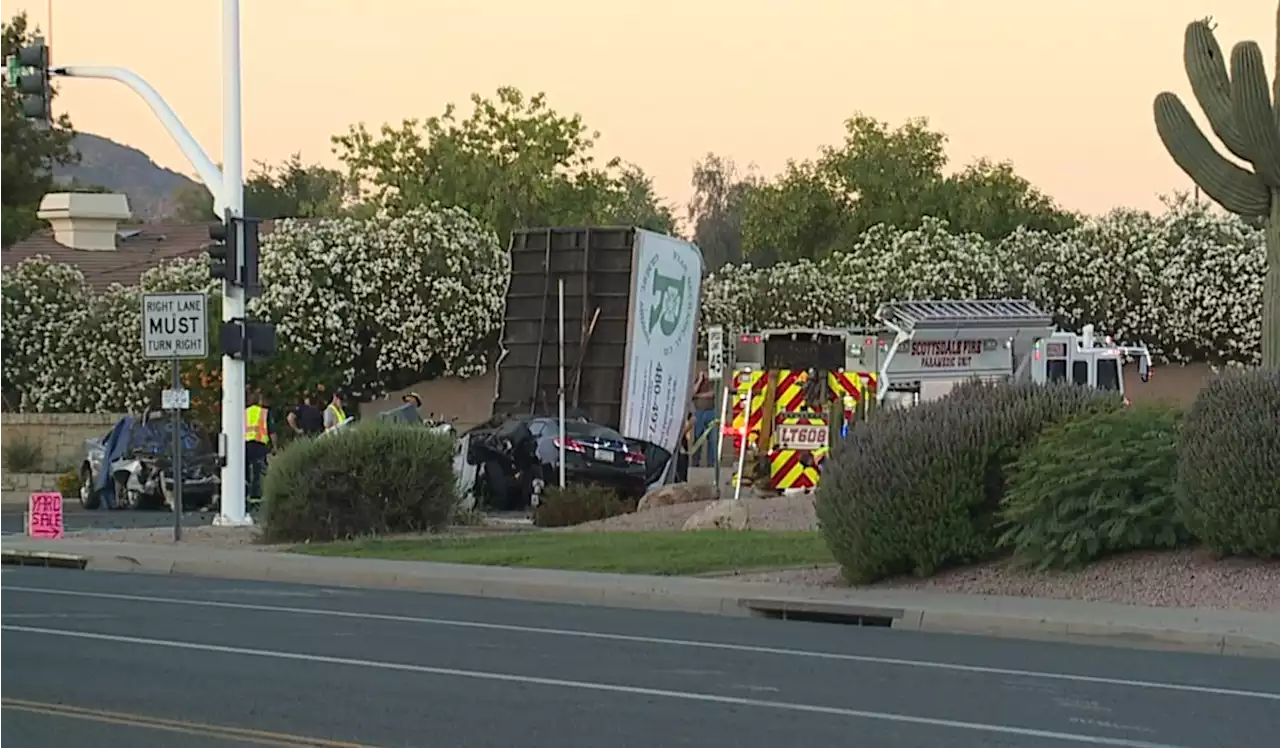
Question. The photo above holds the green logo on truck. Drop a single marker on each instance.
(666, 299)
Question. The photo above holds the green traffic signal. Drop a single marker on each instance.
(14, 68)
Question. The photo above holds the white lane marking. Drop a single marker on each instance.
(704, 698)
(66, 616)
(749, 648)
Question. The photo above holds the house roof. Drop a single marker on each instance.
(138, 248)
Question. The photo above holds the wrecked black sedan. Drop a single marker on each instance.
(505, 463)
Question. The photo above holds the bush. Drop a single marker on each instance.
(370, 479)
(915, 490)
(1098, 484)
(23, 455)
(574, 505)
(69, 483)
(1228, 479)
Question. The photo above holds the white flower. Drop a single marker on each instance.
(391, 298)
(1187, 283)
(376, 299)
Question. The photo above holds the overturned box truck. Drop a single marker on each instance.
(630, 316)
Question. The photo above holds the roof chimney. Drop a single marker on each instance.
(84, 220)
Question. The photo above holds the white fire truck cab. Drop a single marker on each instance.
(934, 345)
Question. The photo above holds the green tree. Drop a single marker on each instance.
(715, 211)
(514, 162)
(30, 149)
(291, 190)
(797, 215)
(634, 202)
(892, 176)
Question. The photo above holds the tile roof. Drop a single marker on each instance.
(138, 248)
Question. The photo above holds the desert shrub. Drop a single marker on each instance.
(1228, 479)
(370, 479)
(69, 483)
(23, 455)
(915, 490)
(574, 505)
(1094, 485)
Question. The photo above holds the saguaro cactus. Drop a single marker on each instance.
(1244, 112)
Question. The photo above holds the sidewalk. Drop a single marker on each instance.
(1181, 629)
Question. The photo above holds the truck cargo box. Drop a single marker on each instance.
(631, 317)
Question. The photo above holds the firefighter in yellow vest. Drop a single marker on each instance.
(257, 445)
(334, 415)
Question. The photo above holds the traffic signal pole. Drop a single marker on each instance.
(232, 511)
(205, 168)
(227, 188)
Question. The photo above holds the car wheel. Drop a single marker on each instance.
(125, 499)
(149, 501)
(89, 498)
(499, 486)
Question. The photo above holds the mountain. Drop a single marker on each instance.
(121, 168)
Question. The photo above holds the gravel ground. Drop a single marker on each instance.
(1190, 578)
(201, 535)
(779, 514)
(241, 537)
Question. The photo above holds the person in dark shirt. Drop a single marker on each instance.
(306, 419)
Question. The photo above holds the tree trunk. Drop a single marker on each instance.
(1271, 290)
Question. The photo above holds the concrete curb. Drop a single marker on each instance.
(1174, 629)
(43, 558)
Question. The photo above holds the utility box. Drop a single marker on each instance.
(631, 305)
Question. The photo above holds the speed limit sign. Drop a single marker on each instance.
(715, 352)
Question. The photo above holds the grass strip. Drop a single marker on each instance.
(661, 553)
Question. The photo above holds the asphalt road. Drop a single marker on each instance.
(98, 659)
(74, 517)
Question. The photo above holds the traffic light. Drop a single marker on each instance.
(222, 253)
(229, 259)
(29, 74)
(248, 276)
(248, 341)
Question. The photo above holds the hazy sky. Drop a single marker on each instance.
(1063, 89)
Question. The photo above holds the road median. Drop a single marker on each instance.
(1218, 632)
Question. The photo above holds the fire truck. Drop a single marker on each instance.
(794, 390)
(931, 346)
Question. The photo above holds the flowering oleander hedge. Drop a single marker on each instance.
(1188, 283)
(383, 302)
(421, 292)
(359, 303)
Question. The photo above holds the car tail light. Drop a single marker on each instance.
(570, 445)
(635, 458)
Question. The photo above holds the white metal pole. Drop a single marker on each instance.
(233, 374)
(742, 450)
(200, 161)
(560, 358)
(724, 413)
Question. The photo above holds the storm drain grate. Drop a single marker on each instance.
(819, 612)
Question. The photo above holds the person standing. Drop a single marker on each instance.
(257, 445)
(334, 415)
(306, 419)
